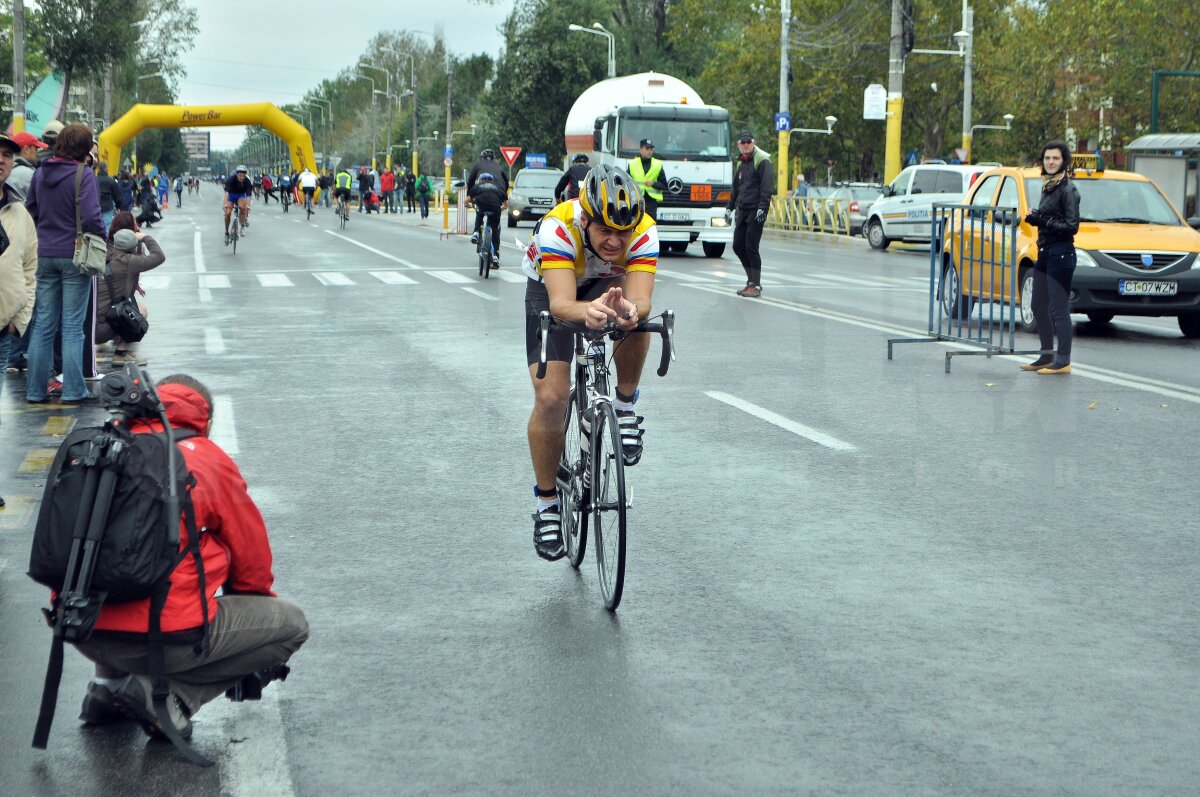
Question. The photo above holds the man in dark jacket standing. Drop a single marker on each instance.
(753, 186)
(110, 195)
(365, 184)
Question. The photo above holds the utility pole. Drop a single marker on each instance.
(781, 168)
(968, 62)
(108, 94)
(895, 102)
(449, 138)
(18, 101)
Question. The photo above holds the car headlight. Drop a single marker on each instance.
(720, 221)
(1082, 258)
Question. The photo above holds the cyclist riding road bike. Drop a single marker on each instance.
(489, 199)
(238, 190)
(308, 184)
(341, 190)
(592, 260)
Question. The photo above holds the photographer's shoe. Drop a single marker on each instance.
(100, 706)
(547, 533)
(134, 699)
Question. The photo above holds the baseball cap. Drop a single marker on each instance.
(52, 128)
(645, 142)
(28, 140)
(125, 240)
(745, 136)
(9, 144)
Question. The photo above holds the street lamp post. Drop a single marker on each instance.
(412, 67)
(324, 123)
(137, 99)
(328, 128)
(599, 30)
(387, 89)
(374, 126)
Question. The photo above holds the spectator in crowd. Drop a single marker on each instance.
(365, 184)
(325, 183)
(753, 186)
(424, 189)
(18, 258)
(130, 252)
(49, 137)
(110, 195)
(25, 162)
(164, 190)
(250, 629)
(410, 191)
(387, 185)
(126, 191)
(145, 187)
(401, 190)
(178, 191)
(268, 189)
(63, 290)
(150, 212)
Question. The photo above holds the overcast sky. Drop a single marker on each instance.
(256, 50)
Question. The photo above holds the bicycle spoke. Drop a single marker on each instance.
(608, 504)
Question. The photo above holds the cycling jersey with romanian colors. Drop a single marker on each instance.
(559, 244)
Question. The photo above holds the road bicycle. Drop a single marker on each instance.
(234, 230)
(285, 198)
(308, 206)
(591, 472)
(487, 253)
(343, 212)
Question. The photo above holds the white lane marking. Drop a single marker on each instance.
(379, 252)
(726, 275)
(481, 294)
(511, 276)
(154, 282)
(452, 277)
(392, 278)
(683, 276)
(332, 278)
(258, 763)
(205, 295)
(274, 280)
(807, 432)
(213, 342)
(224, 430)
(850, 280)
(197, 255)
(214, 281)
(1168, 389)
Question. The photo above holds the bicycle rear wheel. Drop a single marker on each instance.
(572, 492)
(608, 504)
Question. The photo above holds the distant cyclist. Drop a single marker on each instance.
(489, 199)
(238, 190)
(592, 260)
(285, 187)
(487, 163)
(308, 185)
(568, 186)
(341, 190)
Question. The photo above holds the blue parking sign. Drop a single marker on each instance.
(783, 122)
(448, 152)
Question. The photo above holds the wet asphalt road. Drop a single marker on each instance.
(988, 587)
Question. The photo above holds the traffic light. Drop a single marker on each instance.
(908, 26)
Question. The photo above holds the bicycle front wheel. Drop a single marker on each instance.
(608, 504)
(572, 491)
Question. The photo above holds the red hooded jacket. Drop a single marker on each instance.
(387, 181)
(234, 546)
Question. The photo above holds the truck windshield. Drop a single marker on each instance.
(676, 139)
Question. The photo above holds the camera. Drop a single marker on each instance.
(130, 392)
(251, 686)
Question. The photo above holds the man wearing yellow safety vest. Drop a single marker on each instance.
(647, 172)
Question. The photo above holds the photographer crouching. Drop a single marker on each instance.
(251, 632)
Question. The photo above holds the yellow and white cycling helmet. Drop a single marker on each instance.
(611, 197)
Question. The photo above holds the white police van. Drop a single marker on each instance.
(903, 212)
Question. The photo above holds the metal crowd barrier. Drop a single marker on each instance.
(972, 280)
(810, 214)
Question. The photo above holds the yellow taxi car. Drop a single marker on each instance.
(1135, 254)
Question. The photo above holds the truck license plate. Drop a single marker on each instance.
(1144, 288)
(672, 215)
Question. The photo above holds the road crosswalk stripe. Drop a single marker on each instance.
(214, 280)
(274, 281)
(332, 278)
(452, 277)
(481, 294)
(511, 276)
(392, 278)
(851, 280)
(684, 276)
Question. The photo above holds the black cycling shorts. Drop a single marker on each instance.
(561, 347)
(309, 191)
(341, 193)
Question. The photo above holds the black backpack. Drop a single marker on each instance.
(108, 532)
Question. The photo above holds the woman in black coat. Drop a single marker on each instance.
(1057, 220)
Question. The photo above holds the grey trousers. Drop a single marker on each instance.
(249, 633)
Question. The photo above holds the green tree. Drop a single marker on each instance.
(83, 36)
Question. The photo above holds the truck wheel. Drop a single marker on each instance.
(1189, 325)
(678, 247)
(713, 250)
(875, 235)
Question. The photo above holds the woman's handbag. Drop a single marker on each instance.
(124, 316)
(91, 251)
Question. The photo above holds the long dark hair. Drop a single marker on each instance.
(122, 221)
(1063, 148)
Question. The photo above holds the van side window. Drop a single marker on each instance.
(925, 181)
(952, 182)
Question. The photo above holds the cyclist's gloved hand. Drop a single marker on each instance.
(760, 216)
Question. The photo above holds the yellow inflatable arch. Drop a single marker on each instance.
(263, 114)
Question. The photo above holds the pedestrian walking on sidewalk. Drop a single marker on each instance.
(1057, 220)
(753, 185)
(410, 190)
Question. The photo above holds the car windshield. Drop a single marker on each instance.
(866, 193)
(536, 178)
(1125, 201)
(677, 139)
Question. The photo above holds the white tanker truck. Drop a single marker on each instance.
(691, 138)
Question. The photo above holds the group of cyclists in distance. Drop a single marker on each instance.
(240, 189)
